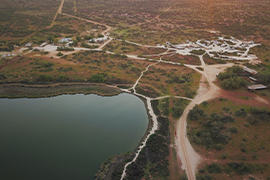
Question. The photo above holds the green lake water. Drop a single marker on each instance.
(66, 137)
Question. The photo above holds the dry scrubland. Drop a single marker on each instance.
(88, 66)
(164, 79)
(227, 131)
(232, 137)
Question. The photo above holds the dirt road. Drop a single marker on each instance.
(207, 90)
(59, 11)
(93, 22)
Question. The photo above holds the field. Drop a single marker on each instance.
(77, 67)
(228, 131)
(238, 135)
(172, 80)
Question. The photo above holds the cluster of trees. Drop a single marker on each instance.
(210, 133)
(243, 168)
(152, 161)
(45, 78)
(179, 107)
(115, 80)
(230, 79)
(164, 106)
(62, 48)
(147, 91)
(177, 79)
(198, 52)
(263, 78)
(196, 113)
(97, 78)
(154, 104)
(83, 44)
(258, 115)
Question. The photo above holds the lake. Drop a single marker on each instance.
(68, 136)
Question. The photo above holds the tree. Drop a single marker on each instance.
(79, 38)
(97, 78)
(62, 77)
(45, 78)
(59, 54)
(51, 38)
(75, 43)
(232, 83)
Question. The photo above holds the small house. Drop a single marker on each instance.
(98, 40)
(65, 40)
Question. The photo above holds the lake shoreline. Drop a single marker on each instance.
(51, 90)
(16, 91)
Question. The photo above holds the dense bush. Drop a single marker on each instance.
(59, 54)
(62, 48)
(214, 168)
(198, 52)
(233, 129)
(2, 76)
(243, 168)
(62, 77)
(45, 78)
(164, 106)
(203, 177)
(179, 107)
(155, 104)
(230, 79)
(241, 113)
(83, 44)
(261, 114)
(147, 91)
(263, 78)
(97, 78)
(195, 113)
(232, 83)
(153, 157)
(210, 133)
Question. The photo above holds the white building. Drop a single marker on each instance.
(98, 40)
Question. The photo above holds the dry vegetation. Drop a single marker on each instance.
(172, 80)
(78, 67)
(229, 133)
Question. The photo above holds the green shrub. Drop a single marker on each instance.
(203, 177)
(232, 83)
(97, 78)
(59, 54)
(198, 52)
(233, 129)
(241, 113)
(195, 113)
(45, 78)
(243, 168)
(62, 48)
(214, 168)
(62, 77)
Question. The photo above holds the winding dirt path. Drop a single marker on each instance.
(152, 114)
(207, 90)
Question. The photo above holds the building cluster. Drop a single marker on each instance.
(221, 48)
